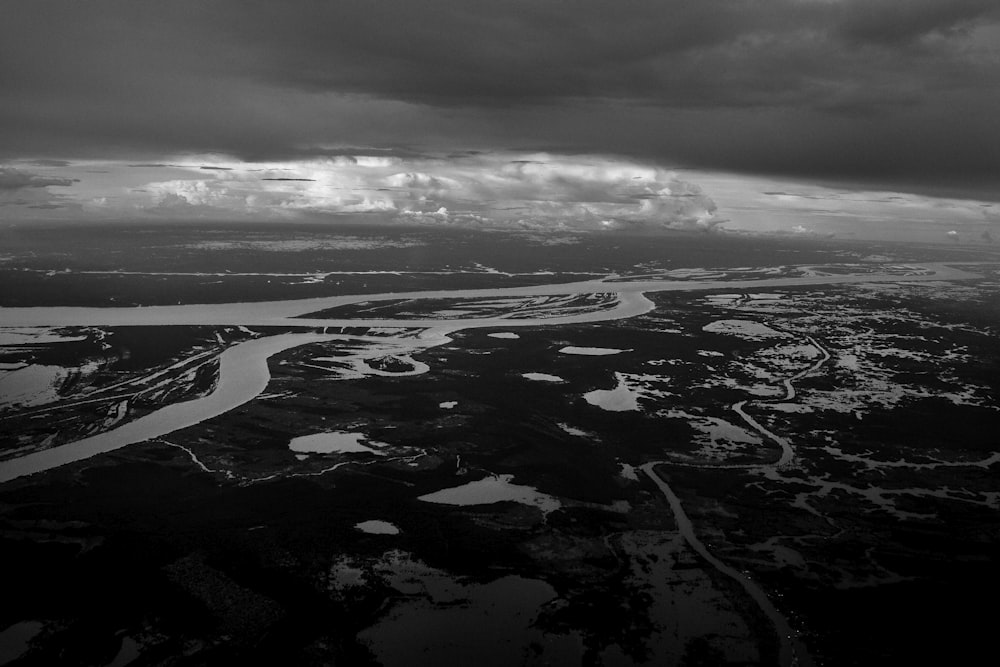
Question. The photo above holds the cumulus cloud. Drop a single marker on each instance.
(497, 190)
(486, 190)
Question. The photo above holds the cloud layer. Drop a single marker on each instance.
(24, 188)
(16, 179)
(494, 190)
(525, 191)
(871, 90)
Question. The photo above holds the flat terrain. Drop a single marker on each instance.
(411, 446)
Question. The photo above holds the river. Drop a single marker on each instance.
(243, 372)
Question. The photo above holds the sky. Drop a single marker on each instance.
(793, 116)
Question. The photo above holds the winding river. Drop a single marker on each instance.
(289, 312)
(790, 649)
(243, 374)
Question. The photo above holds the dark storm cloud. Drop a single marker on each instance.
(15, 179)
(895, 22)
(869, 89)
(712, 52)
(19, 188)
